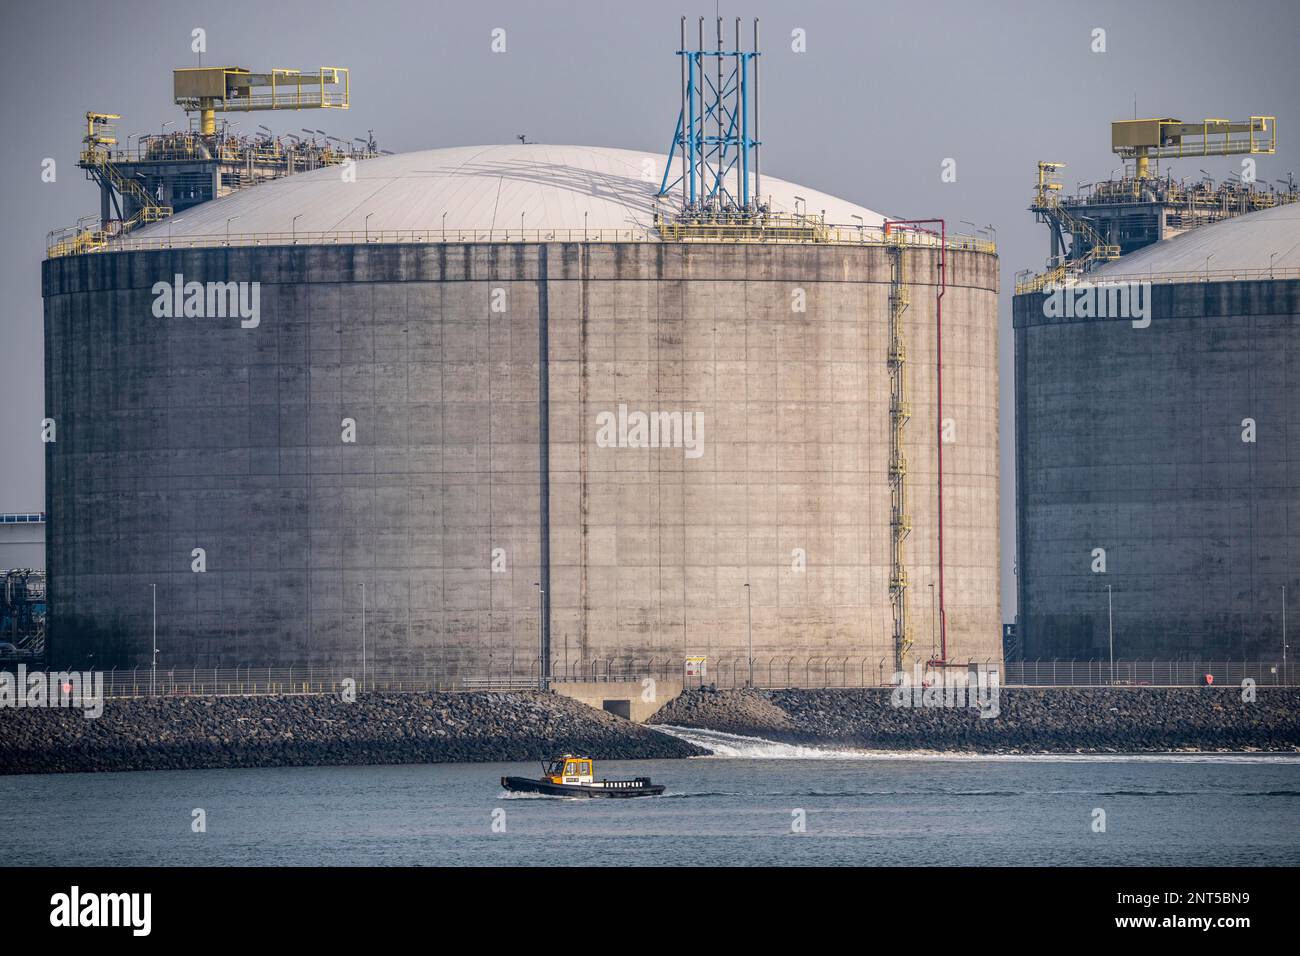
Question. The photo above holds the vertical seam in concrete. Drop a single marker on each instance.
(584, 318)
(1252, 513)
(544, 455)
(495, 270)
(657, 632)
(444, 669)
(1020, 430)
(749, 462)
(49, 288)
(306, 457)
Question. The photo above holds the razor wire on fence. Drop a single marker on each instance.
(724, 673)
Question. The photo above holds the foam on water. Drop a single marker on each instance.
(756, 748)
(733, 746)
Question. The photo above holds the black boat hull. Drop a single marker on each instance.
(635, 788)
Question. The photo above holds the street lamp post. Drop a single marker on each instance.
(153, 658)
(541, 634)
(934, 624)
(749, 629)
(1110, 628)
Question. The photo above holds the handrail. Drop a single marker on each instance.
(1057, 277)
(60, 245)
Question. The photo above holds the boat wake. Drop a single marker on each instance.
(733, 746)
(514, 795)
(757, 748)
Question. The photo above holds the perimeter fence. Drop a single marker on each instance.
(726, 673)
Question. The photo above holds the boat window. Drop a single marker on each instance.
(572, 769)
(586, 768)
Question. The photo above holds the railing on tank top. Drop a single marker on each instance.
(73, 241)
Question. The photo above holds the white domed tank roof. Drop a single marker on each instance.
(477, 188)
(1248, 244)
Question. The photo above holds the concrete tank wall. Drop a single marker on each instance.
(194, 432)
(1130, 440)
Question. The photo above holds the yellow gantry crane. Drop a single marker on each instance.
(209, 90)
(1143, 140)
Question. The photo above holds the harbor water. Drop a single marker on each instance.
(755, 802)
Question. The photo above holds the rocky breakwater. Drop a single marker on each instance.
(1027, 720)
(175, 733)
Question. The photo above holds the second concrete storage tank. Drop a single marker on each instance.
(441, 399)
(1156, 453)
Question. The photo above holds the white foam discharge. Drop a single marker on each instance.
(757, 748)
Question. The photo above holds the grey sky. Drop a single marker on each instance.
(885, 91)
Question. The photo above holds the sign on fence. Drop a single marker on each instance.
(697, 667)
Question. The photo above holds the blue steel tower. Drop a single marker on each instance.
(716, 139)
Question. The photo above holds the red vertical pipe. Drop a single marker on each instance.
(938, 361)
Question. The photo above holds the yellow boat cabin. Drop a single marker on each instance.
(571, 769)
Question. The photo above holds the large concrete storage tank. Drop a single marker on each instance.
(1170, 447)
(482, 315)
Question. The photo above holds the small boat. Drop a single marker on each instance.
(570, 776)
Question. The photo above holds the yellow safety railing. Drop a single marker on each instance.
(830, 235)
(78, 239)
(1198, 196)
(724, 228)
(150, 210)
(1026, 282)
(193, 147)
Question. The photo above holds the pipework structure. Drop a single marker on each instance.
(167, 172)
(23, 610)
(1113, 218)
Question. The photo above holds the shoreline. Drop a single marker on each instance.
(199, 733)
(191, 733)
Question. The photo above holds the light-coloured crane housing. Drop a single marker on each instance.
(208, 90)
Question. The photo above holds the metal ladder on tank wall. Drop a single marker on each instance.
(900, 522)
